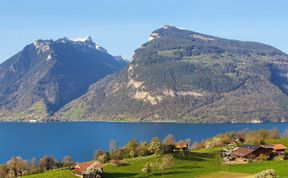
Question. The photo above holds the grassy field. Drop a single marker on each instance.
(200, 163)
(53, 174)
(204, 164)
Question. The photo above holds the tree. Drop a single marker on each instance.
(155, 146)
(169, 143)
(104, 158)
(132, 147)
(68, 161)
(34, 163)
(17, 166)
(285, 134)
(166, 163)
(3, 171)
(144, 149)
(47, 163)
(147, 169)
(97, 153)
(113, 146)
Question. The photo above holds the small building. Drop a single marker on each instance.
(279, 149)
(245, 151)
(181, 145)
(91, 169)
(252, 152)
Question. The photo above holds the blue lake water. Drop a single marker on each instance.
(81, 139)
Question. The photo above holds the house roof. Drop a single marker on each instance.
(244, 150)
(267, 146)
(279, 147)
(181, 145)
(82, 167)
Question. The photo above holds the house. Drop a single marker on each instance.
(279, 149)
(251, 151)
(245, 151)
(91, 169)
(181, 145)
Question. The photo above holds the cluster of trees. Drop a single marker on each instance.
(242, 137)
(135, 149)
(17, 167)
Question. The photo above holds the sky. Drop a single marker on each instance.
(121, 26)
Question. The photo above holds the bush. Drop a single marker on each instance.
(269, 173)
(279, 157)
(116, 162)
(263, 157)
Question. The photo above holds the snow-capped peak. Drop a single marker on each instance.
(83, 39)
(100, 48)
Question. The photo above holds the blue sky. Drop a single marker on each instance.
(121, 26)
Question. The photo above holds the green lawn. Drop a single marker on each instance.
(53, 174)
(197, 163)
(283, 141)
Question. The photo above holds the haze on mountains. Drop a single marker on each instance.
(178, 75)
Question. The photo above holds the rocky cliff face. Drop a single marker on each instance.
(46, 75)
(180, 75)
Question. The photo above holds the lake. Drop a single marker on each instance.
(81, 139)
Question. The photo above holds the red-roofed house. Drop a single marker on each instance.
(279, 148)
(90, 169)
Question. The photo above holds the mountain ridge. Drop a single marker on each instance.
(184, 76)
(49, 74)
(178, 76)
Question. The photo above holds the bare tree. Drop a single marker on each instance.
(3, 171)
(169, 143)
(17, 166)
(68, 161)
(113, 146)
(147, 169)
(97, 154)
(285, 134)
(166, 163)
(155, 146)
(34, 163)
(47, 162)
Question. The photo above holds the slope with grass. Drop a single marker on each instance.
(198, 163)
(53, 174)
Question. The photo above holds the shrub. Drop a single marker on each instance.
(263, 157)
(116, 162)
(268, 173)
(147, 169)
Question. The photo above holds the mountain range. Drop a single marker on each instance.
(177, 76)
(46, 75)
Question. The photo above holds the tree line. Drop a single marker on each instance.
(135, 149)
(17, 166)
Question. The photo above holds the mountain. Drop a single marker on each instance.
(46, 75)
(184, 76)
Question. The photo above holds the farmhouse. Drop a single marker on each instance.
(91, 169)
(182, 145)
(279, 149)
(250, 152)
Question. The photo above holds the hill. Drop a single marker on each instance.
(185, 76)
(47, 74)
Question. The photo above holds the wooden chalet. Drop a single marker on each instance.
(91, 169)
(182, 145)
(279, 149)
(251, 151)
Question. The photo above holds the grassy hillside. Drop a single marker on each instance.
(197, 164)
(53, 174)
